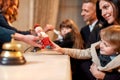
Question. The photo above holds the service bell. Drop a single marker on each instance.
(11, 54)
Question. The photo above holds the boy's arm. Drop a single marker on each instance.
(78, 53)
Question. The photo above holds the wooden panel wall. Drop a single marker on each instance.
(46, 12)
(70, 9)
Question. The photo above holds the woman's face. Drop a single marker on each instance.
(107, 11)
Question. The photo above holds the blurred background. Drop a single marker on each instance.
(47, 12)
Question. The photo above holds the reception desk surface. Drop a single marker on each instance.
(38, 67)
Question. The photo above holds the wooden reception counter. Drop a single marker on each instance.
(38, 67)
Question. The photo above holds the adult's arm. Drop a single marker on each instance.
(5, 34)
(4, 23)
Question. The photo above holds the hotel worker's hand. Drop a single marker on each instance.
(29, 39)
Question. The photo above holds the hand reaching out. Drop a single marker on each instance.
(57, 48)
(48, 27)
(29, 39)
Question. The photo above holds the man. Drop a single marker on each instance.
(89, 34)
(89, 15)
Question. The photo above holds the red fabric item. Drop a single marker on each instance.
(46, 42)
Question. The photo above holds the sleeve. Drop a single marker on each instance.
(78, 54)
(5, 35)
(56, 32)
(67, 42)
(4, 23)
(112, 76)
(60, 37)
(64, 43)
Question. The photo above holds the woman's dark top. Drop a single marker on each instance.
(4, 23)
(5, 36)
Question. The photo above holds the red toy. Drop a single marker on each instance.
(44, 39)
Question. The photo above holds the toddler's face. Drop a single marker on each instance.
(106, 48)
(38, 31)
(65, 30)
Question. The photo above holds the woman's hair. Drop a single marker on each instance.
(9, 9)
(112, 35)
(91, 1)
(116, 8)
(77, 38)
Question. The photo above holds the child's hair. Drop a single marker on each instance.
(78, 41)
(111, 34)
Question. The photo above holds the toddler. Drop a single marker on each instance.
(44, 39)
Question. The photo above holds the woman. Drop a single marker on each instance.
(108, 14)
(8, 14)
(108, 10)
